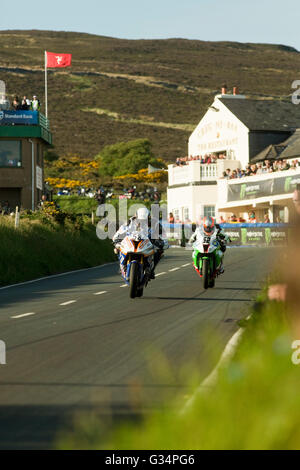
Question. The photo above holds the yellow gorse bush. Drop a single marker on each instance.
(143, 176)
(67, 183)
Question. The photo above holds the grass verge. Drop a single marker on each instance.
(37, 249)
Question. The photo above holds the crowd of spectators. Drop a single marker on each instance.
(101, 194)
(17, 104)
(205, 159)
(268, 166)
(261, 168)
(230, 219)
(5, 208)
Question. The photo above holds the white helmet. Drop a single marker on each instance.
(142, 213)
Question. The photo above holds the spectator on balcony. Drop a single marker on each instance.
(35, 104)
(294, 165)
(16, 105)
(171, 218)
(252, 217)
(267, 168)
(227, 174)
(259, 170)
(25, 104)
(285, 166)
(4, 103)
(266, 219)
(247, 170)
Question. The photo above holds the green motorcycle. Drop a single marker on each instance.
(207, 259)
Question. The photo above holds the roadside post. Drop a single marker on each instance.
(17, 217)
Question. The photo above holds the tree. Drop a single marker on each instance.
(126, 158)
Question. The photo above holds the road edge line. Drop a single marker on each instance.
(57, 275)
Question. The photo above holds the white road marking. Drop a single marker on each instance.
(23, 315)
(124, 285)
(69, 302)
(102, 292)
(185, 265)
(174, 269)
(160, 274)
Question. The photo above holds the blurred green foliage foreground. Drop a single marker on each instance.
(254, 405)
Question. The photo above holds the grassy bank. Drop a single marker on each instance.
(76, 204)
(255, 404)
(38, 249)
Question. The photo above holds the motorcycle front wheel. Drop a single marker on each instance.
(133, 280)
(140, 292)
(205, 273)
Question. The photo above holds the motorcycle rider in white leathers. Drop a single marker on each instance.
(208, 227)
(142, 222)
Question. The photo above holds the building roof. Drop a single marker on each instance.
(264, 115)
(272, 152)
(290, 148)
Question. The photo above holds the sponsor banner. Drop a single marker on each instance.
(276, 236)
(286, 184)
(19, 117)
(264, 188)
(242, 191)
(234, 234)
(253, 236)
(244, 234)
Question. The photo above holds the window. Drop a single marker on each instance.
(186, 213)
(10, 153)
(176, 214)
(209, 211)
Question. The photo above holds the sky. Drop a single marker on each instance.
(262, 21)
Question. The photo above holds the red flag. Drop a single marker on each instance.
(58, 60)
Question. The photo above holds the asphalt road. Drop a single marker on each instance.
(77, 342)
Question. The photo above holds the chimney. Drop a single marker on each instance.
(236, 90)
(224, 89)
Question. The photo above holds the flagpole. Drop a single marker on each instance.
(46, 86)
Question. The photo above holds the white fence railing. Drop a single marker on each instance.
(194, 171)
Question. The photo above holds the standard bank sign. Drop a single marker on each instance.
(18, 117)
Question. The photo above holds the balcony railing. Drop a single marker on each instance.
(196, 172)
(208, 172)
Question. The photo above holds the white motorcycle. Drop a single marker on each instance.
(136, 262)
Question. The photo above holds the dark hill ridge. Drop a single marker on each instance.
(118, 89)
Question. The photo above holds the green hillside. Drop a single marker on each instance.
(120, 90)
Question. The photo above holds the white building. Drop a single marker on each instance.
(236, 128)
